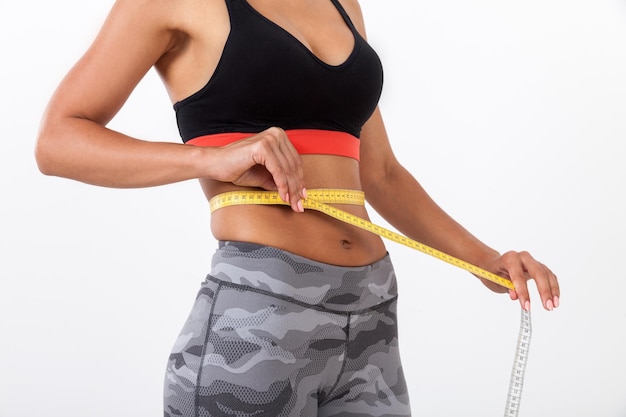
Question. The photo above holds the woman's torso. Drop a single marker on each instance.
(319, 27)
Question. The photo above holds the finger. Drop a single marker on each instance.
(547, 284)
(267, 157)
(555, 288)
(294, 174)
(285, 166)
(539, 273)
(517, 274)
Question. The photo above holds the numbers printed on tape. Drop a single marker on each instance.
(320, 199)
(519, 366)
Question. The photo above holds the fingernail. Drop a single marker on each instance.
(549, 305)
(300, 206)
(556, 301)
(304, 195)
(527, 305)
(287, 197)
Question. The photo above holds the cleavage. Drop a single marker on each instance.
(331, 42)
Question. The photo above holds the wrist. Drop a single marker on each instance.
(202, 159)
(486, 257)
(486, 260)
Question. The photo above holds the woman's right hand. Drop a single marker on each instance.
(266, 160)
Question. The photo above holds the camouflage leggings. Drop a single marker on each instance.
(275, 334)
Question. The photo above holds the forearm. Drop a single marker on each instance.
(83, 150)
(404, 203)
(401, 200)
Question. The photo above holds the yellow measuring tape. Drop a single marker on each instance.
(319, 200)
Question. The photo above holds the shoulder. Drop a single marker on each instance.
(160, 12)
(353, 8)
(167, 22)
(181, 15)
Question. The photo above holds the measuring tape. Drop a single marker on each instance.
(320, 200)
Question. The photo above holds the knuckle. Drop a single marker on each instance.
(268, 141)
(510, 254)
(275, 132)
(510, 258)
(258, 143)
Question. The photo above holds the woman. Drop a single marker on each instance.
(297, 316)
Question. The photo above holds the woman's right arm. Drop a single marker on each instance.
(75, 143)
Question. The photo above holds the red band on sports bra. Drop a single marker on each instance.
(306, 141)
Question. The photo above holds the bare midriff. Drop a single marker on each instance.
(310, 234)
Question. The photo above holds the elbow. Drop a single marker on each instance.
(45, 155)
(43, 158)
(51, 145)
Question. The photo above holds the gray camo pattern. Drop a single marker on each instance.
(275, 334)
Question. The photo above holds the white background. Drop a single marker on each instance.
(510, 113)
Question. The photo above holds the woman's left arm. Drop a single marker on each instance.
(394, 193)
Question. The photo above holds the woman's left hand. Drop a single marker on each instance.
(520, 267)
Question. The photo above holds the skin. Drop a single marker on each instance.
(184, 40)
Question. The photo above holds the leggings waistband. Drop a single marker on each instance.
(331, 287)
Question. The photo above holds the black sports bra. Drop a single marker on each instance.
(266, 77)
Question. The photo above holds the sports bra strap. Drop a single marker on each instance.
(344, 14)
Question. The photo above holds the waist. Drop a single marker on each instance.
(261, 217)
(322, 195)
(306, 141)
